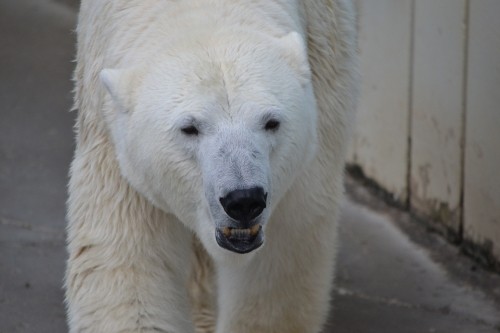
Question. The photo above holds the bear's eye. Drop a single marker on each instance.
(190, 130)
(272, 125)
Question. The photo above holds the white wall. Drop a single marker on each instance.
(482, 148)
(437, 109)
(384, 33)
(428, 126)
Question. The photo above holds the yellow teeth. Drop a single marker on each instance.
(253, 231)
(226, 231)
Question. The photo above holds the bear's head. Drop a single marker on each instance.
(216, 132)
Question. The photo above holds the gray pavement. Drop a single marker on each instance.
(386, 282)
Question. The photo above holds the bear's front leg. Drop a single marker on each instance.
(128, 262)
(127, 283)
(286, 286)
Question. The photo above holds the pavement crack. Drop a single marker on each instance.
(444, 310)
(376, 299)
(28, 226)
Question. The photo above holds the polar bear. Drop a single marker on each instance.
(211, 137)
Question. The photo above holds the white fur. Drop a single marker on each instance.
(140, 188)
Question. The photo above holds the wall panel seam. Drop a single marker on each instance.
(463, 141)
(410, 106)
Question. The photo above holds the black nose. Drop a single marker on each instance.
(244, 205)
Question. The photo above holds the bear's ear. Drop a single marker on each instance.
(118, 83)
(295, 51)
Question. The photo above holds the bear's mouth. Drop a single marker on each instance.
(240, 240)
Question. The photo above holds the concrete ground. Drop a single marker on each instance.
(387, 282)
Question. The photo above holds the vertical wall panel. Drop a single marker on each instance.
(482, 154)
(380, 144)
(437, 110)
